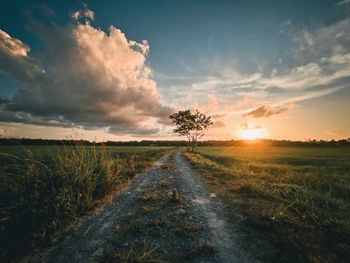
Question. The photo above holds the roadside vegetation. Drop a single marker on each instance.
(42, 189)
(297, 199)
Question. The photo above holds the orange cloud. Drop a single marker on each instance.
(267, 111)
(4, 133)
(218, 124)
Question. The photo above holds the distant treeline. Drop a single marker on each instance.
(45, 142)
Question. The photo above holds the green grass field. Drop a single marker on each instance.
(45, 188)
(297, 199)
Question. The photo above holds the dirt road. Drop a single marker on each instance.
(166, 214)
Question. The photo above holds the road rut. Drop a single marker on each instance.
(183, 221)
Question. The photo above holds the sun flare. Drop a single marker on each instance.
(252, 134)
(249, 131)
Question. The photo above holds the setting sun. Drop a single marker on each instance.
(252, 134)
(249, 131)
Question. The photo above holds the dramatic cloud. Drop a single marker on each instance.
(91, 79)
(267, 111)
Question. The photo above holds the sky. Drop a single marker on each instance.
(116, 70)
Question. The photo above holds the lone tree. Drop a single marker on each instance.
(191, 125)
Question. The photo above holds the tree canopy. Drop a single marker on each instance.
(191, 125)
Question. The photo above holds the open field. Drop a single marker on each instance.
(45, 188)
(281, 204)
(297, 199)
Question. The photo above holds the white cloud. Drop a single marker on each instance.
(321, 72)
(325, 41)
(91, 79)
(344, 2)
(323, 68)
(310, 95)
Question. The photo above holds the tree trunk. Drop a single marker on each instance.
(188, 143)
(194, 145)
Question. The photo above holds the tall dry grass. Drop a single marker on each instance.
(39, 197)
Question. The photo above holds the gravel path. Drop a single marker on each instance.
(208, 206)
(169, 209)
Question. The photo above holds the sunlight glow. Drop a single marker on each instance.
(251, 133)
